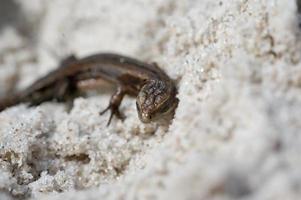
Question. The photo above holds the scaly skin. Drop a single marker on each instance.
(155, 91)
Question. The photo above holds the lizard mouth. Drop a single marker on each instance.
(143, 116)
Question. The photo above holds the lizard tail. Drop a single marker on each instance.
(9, 101)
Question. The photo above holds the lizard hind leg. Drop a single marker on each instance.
(62, 91)
(38, 97)
(65, 91)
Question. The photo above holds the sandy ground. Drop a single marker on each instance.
(236, 131)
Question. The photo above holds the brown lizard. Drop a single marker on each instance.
(155, 91)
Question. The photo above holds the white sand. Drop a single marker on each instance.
(236, 132)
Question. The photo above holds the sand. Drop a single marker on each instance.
(235, 133)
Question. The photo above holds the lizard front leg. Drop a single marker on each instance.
(114, 104)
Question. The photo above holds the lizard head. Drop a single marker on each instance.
(156, 99)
